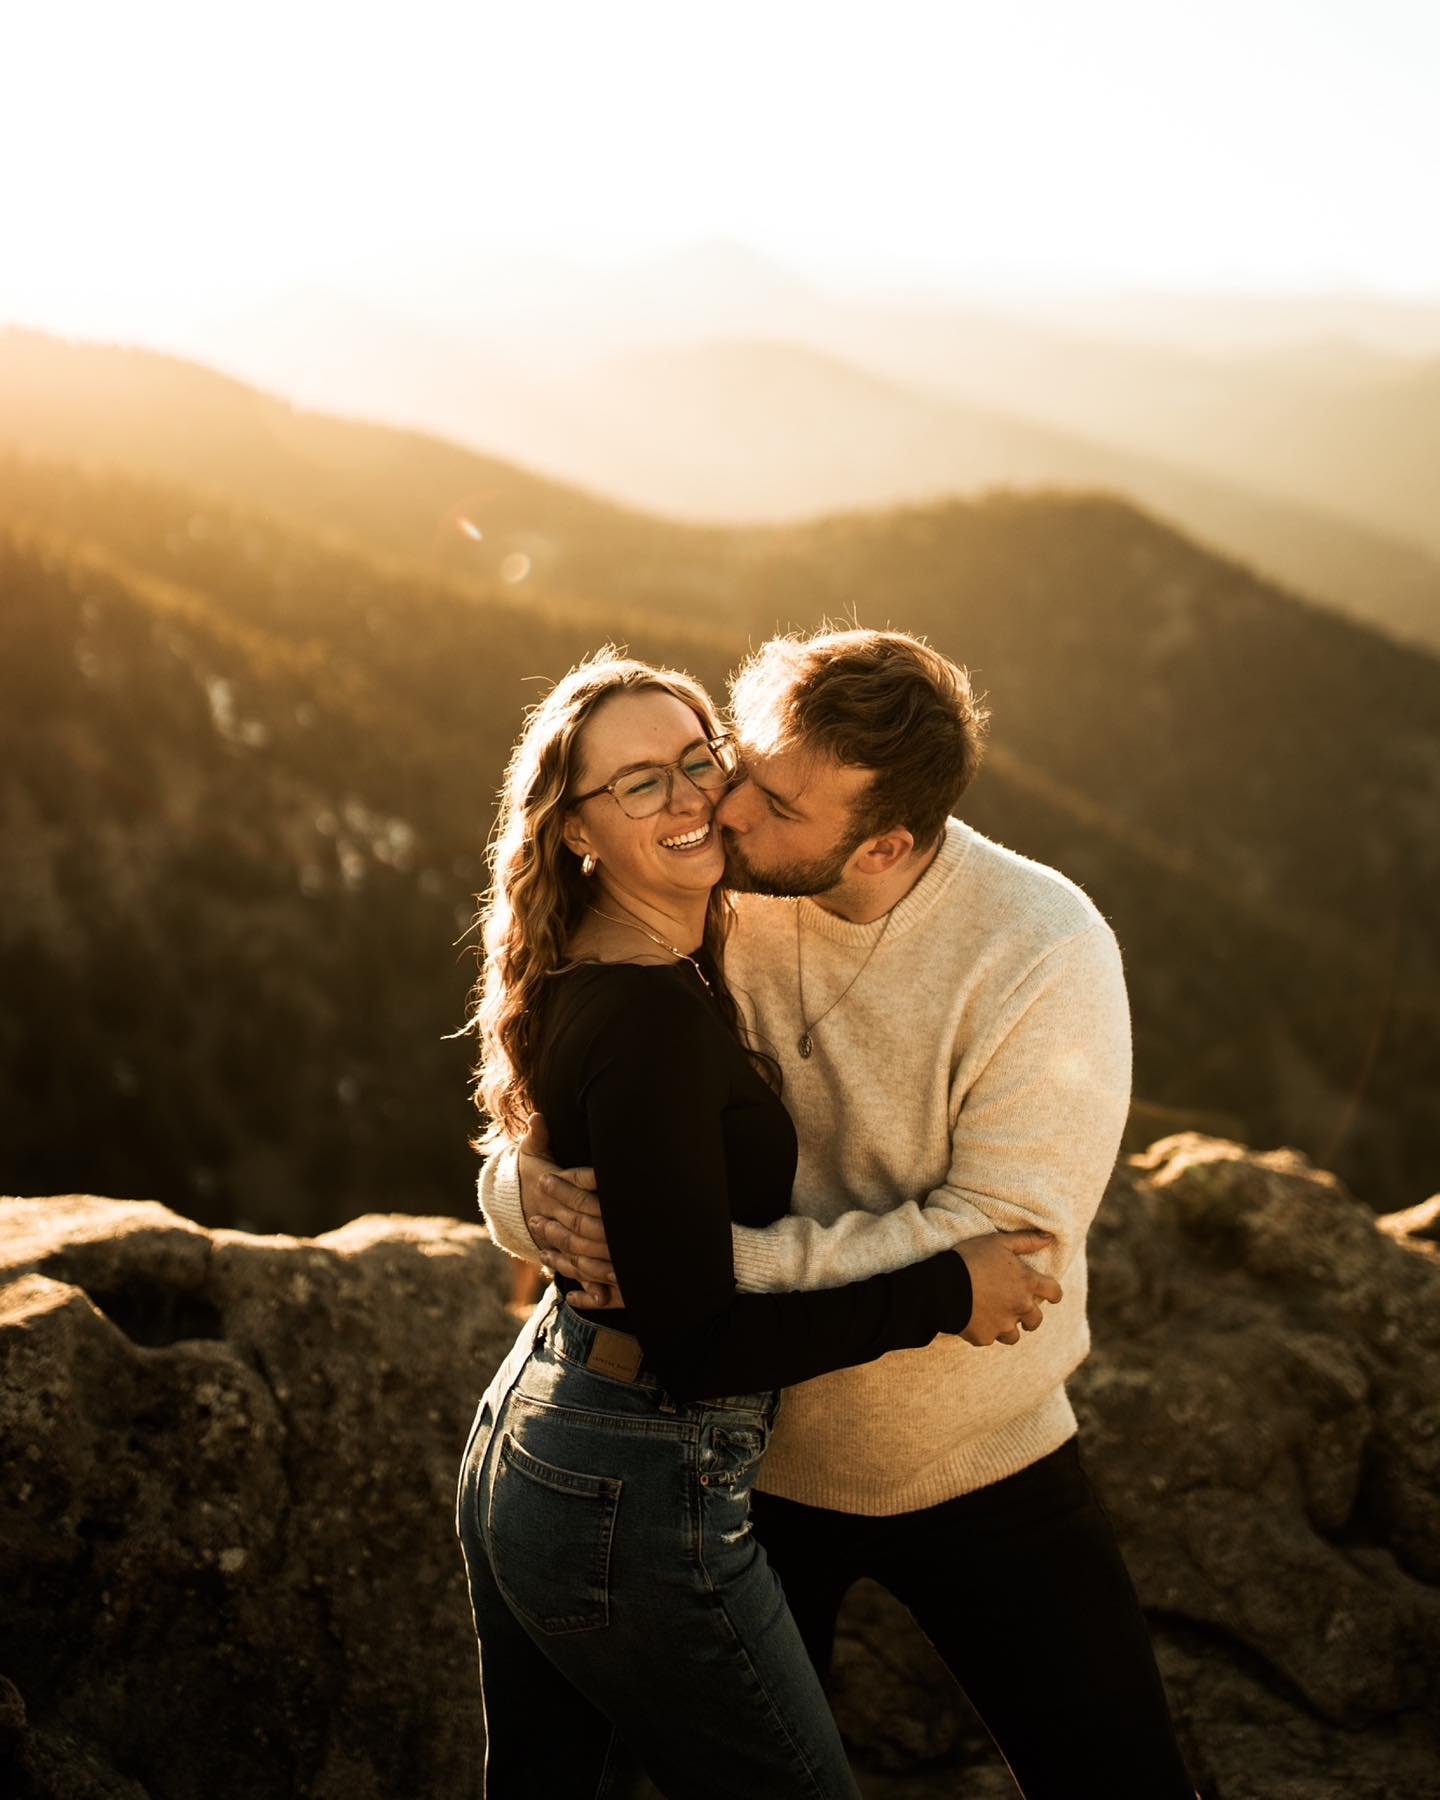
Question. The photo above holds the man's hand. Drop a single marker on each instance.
(1008, 1292)
(563, 1216)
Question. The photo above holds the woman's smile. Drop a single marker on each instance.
(689, 841)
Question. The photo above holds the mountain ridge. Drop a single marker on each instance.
(1182, 738)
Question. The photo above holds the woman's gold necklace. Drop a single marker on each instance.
(805, 1043)
(655, 938)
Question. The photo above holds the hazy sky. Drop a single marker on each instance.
(166, 154)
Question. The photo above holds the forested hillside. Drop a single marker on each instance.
(243, 828)
(262, 676)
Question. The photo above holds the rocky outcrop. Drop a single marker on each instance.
(226, 1525)
(1261, 1415)
(226, 1519)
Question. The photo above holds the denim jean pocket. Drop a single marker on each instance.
(730, 1454)
(550, 1533)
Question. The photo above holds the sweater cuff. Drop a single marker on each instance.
(500, 1204)
(761, 1263)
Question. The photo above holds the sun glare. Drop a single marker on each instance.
(175, 167)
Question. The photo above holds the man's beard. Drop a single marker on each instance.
(818, 876)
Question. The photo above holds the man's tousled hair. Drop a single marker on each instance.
(880, 700)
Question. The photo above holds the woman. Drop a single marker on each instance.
(604, 1494)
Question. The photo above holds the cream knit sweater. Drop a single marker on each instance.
(976, 1077)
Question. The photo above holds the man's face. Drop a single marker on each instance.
(787, 824)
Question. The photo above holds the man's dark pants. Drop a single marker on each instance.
(1021, 1588)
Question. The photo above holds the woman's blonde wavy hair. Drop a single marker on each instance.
(537, 892)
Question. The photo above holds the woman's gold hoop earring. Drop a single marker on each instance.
(587, 864)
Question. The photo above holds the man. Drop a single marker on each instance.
(952, 1025)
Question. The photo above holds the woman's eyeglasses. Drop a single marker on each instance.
(640, 793)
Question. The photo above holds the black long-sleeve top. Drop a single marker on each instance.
(639, 1078)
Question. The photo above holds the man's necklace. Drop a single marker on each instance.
(655, 938)
(805, 1043)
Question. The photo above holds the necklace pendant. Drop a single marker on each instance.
(806, 1045)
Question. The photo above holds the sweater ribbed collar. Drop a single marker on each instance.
(906, 912)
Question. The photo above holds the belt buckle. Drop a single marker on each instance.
(615, 1354)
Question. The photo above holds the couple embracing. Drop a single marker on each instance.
(850, 1079)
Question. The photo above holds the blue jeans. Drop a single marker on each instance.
(622, 1606)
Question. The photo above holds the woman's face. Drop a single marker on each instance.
(674, 853)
